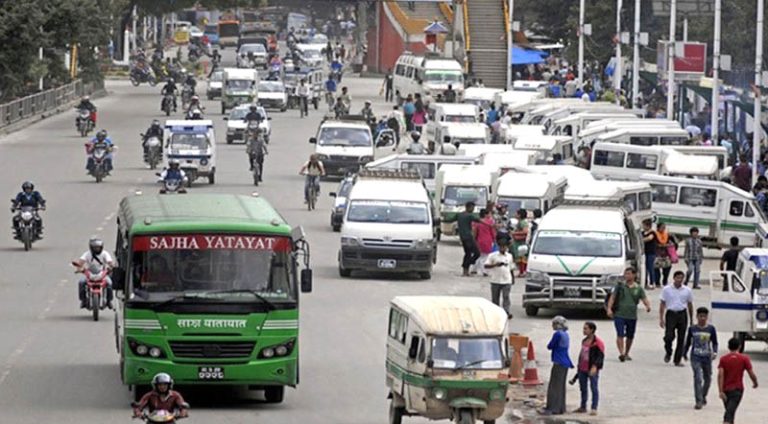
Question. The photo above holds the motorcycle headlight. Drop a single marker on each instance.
(537, 277)
(365, 159)
(26, 215)
(349, 241)
(439, 393)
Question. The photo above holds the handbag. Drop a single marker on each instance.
(672, 253)
(662, 262)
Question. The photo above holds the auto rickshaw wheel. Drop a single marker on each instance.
(466, 417)
(395, 413)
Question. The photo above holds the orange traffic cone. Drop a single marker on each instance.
(517, 343)
(531, 377)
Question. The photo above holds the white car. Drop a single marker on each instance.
(215, 83)
(257, 51)
(236, 124)
(272, 95)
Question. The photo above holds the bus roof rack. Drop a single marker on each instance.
(389, 174)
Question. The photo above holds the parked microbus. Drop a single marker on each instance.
(628, 162)
(517, 99)
(455, 185)
(427, 75)
(635, 197)
(440, 113)
(572, 124)
(719, 210)
(550, 117)
(719, 152)
(547, 146)
(507, 161)
(589, 134)
(528, 191)
(646, 136)
(510, 133)
(481, 97)
(426, 165)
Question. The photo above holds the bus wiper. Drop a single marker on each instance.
(176, 298)
(270, 305)
(478, 362)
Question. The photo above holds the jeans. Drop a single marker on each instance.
(674, 328)
(593, 380)
(662, 275)
(650, 272)
(81, 287)
(702, 378)
(311, 179)
(471, 252)
(731, 403)
(694, 267)
(501, 291)
(303, 106)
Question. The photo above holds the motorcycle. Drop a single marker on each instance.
(96, 288)
(139, 75)
(98, 154)
(186, 96)
(172, 185)
(160, 415)
(167, 104)
(153, 151)
(84, 121)
(29, 228)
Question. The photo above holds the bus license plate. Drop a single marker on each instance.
(387, 263)
(572, 292)
(210, 373)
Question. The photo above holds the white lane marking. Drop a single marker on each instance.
(99, 229)
(14, 357)
(109, 217)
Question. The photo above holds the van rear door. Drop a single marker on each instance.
(731, 309)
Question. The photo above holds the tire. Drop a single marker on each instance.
(167, 111)
(135, 82)
(425, 275)
(466, 417)
(531, 311)
(344, 272)
(212, 178)
(274, 394)
(99, 177)
(395, 413)
(95, 306)
(336, 228)
(138, 392)
(26, 238)
(152, 82)
(83, 130)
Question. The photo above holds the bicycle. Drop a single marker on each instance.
(312, 189)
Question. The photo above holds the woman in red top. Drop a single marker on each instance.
(485, 235)
(589, 365)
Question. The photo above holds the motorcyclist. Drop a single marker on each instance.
(173, 172)
(313, 169)
(162, 397)
(253, 115)
(170, 89)
(190, 82)
(194, 105)
(95, 256)
(256, 148)
(154, 130)
(336, 68)
(85, 104)
(28, 197)
(101, 138)
(415, 148)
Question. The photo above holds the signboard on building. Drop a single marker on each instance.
(690, 59)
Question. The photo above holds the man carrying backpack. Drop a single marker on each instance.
(622, 307)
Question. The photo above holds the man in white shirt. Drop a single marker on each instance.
(302, 91)
(94, 258)
(675, 311)
(500, 265)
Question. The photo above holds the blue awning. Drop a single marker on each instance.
(521, 56)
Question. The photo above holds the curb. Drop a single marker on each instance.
(24, 123)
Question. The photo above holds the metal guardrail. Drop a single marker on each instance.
(45, 101)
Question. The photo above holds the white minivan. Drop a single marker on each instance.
(523, 190)
(427, 75)
(426, 165)
(345, 146)
(456, 185)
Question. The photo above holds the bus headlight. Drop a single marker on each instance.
(439, 393)
(279, 350)
(155, 352)
(144, 349)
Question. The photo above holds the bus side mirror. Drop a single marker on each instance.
(306, 281)
(413, 350)
(118, 279)
(312, 140)
(430, 363)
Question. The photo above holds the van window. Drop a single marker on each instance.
(607, 158)
(426, 169)
(664, 193)
(644, 141)
(567, 150)
(403, 328)
(749, 212)
(641, 161)
(400, 70)
(645, 200)
(736, 208)
(422, 351)
(630, 201)
(695, 196)
(673, 141)
(409, 72)
(394, 323)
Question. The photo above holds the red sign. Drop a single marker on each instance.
(694, 58)
(211, 242)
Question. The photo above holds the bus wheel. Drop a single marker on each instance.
(274, 394)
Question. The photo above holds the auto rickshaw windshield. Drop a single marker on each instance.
(467, 353)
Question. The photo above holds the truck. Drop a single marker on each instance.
(239, 86)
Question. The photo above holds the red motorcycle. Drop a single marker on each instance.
(96, 288)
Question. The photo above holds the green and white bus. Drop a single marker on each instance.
(208, 291)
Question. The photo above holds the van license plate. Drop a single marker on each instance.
(387, 263)
(210, 373)
(572, 292)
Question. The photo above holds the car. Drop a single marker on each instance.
(257, 51)
(340, 201)
(236, 124)
(195, 32)
(272, 95)
(215, 83)
(212, 32)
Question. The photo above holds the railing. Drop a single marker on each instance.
(45, 101)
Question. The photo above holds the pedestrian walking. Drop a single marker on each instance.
(694, 256)
(500, 266)
(675, 311)
(649, 248)
(464, 221)
(730, 257)
(730, 378)
(588, 367)
(485, 236)
(561, 363)
(666, 254)
(386, 86)
(701, 341)
(519, 239)
(622, 307)
(409, 108)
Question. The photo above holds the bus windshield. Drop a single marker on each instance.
(231, 268)
(229, 29)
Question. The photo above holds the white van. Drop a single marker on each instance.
(508, 161)
(573, 174)
(426, 165)
(516, 101)
(439, 113)
(239, 86)
(481, 97)
(428, 75)
(510, 133)
(578, 254)
(634, 197)
(628, 162)
(475, 150)
(646, 136)
(461, 134)
(589, 134)
(520, 190)
(456, 185)
(719, 152)
(345, 146)
(548, 120)
(547, 146)
(388, 225)
(530, 86)
(572, 124)
(193, 144)
(719, 210)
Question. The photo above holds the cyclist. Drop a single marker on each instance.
(313, 169)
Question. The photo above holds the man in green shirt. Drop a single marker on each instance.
(622, 307)
(464, 222)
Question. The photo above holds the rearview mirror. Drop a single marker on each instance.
(413, 350)
(313, 140)
(332, 194)
(118, 279)
(306, 280)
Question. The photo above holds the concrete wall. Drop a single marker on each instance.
(387, 41)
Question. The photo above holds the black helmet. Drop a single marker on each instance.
(155, 123)
(415, 135)
(101, 135)
(27, 185)
(96, 245)
(162, 378)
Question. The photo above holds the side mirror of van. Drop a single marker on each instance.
(332, 194)
(118, 279)
(313, 140)
(306, 280)
(413, 350)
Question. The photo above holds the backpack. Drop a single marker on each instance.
(619, 289)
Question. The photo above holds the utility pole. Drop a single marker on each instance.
(636, 57)
(758, 130)
(716, 77)
(581, 44)
(510, 43)
(671, 61)
(617, 69)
